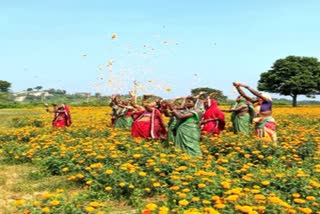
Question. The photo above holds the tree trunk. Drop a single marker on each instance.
(294, 100)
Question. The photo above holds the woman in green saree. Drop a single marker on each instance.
(187, 130)
(122, 113)
(240, 116)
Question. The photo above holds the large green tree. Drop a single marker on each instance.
(217, 94)
(4, 86)
(292, 76)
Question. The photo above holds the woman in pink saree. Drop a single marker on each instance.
(212, 122)
(148, 123)
(62, 116)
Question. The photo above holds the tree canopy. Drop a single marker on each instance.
(292, 76)
(4, 86)
(216, 94)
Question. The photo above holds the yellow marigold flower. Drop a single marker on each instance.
(163, 210)
(136, 156)
(305, 210)
(232, 198)
(142, 174)
(151, 206)
(310, 198)
(122, 184)
(108, 172)
(45, 210)
(147, 189)
(215, 198)
(182, 195)
(89, 182)
(131, 186)
(95, 204)
(46, 195)
(183, 202)
(244, 209)
(259, 197)
(108, 188)
(210, 210)
(195, 199)
(79, 176)
(265, 183)
(205, 202)
(296, 195)
(89, 209)
(156, 184)
(201, 185)
(65, 169)
(19, 202)
(54, 202)
(175, 188)
(186, 190)
(225, 184)
(299, 201)
(219, 206)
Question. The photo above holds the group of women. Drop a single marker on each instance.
(190, 118)
(193, 118)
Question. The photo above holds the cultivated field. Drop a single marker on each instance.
(91, 168)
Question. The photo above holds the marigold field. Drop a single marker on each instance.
(237, 174)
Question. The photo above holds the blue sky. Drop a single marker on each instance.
(162, 44)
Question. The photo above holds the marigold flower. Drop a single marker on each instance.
(151, 206)
(183, 202)
(45, 210)
(89, 209)
(108, 188)
(265, 183)
(108, 172)
(54, 202)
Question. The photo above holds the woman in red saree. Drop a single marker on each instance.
(148, 123)
(212, 122)
(62, 116)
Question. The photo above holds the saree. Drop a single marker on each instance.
(240, 122)
(212, 127)
(123, 119)
(62, 117)
(188, 135)
(265, 127)
(148, 125)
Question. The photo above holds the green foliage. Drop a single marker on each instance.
(292, 76)
(4, 86)
(216, 94)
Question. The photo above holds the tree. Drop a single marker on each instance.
(4, 86)
(29, 89)
(38, 88)
(292, 76)
(217, 94)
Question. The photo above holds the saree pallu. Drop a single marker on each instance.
(265, 127)
(241, 123)
(188, 136)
